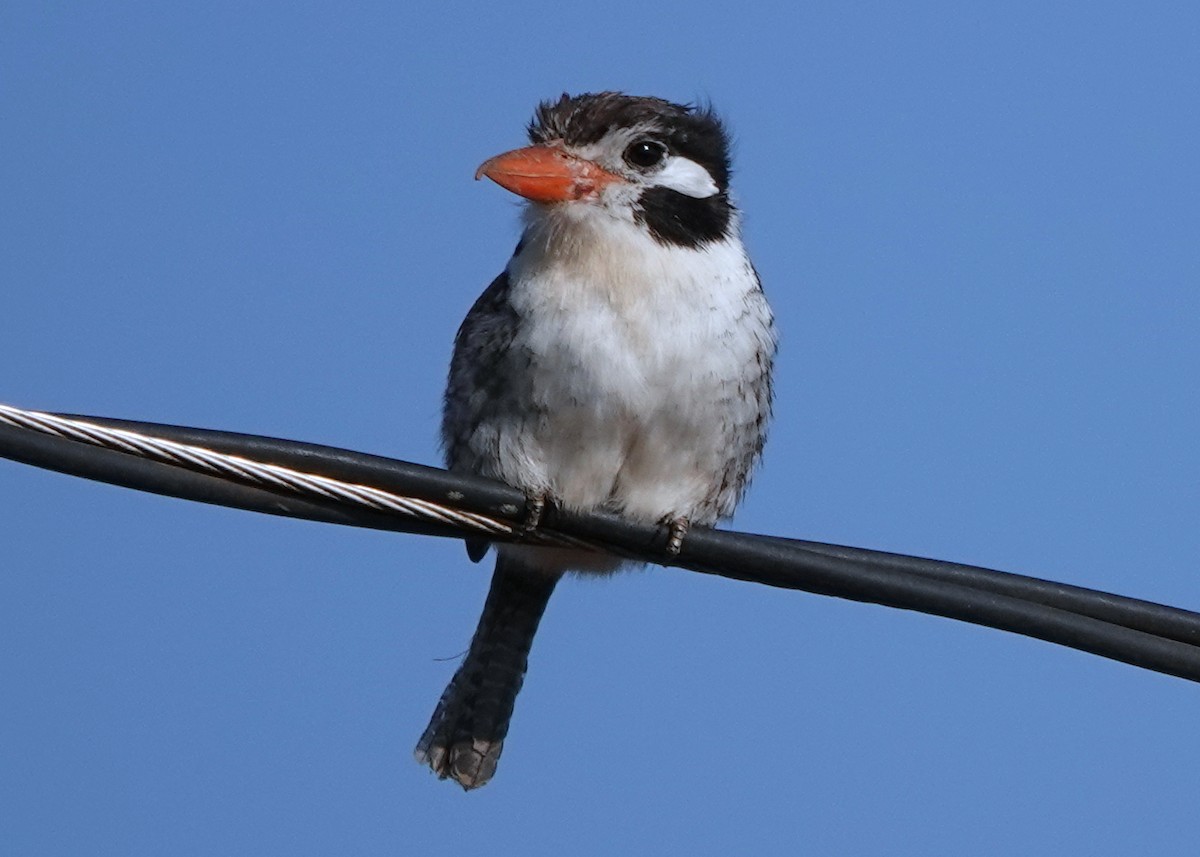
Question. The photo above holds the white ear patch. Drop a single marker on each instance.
(687, 177)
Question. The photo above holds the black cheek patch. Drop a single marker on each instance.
(683, 221)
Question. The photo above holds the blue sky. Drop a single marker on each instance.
(978, 224)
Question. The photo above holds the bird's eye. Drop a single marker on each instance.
(645, 154)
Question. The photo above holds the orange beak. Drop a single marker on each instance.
(545, 173)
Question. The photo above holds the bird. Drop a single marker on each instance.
(621, 362)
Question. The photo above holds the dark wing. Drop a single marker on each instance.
(481, 387)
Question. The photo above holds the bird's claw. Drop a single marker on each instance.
(535, 507)
(677, 529)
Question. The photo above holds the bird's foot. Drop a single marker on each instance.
(535, 508)
(677, 530)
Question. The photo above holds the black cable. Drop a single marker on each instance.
(1170, 622)
(130, 471)
(500, 500)
(1067, 615)
(828, 574)
(1137, 632)
(390, 474)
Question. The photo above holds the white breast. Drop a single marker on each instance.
(642, 357)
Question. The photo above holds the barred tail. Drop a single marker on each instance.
(466, 733)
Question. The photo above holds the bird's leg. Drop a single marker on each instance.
(677, 529)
